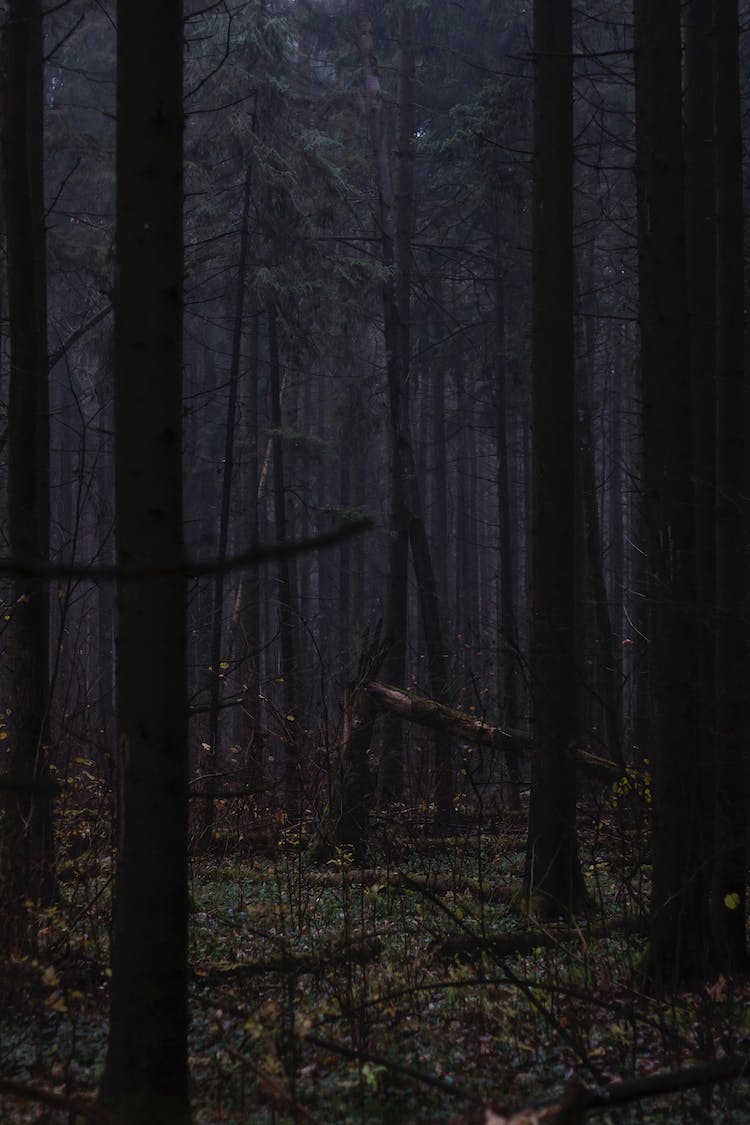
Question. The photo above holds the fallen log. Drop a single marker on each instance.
(356, 953)
(428, 713)
(578, 1100)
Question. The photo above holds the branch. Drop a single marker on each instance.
(56, 1101)
(258, 554)
(75, 336)
(577, 1100)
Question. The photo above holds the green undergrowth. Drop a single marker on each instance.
(409, 992)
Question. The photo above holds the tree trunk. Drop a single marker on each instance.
(26, 843)
(508, 656)
(461, 725)
(217, 615)
(553, 880)
(145, 1079)
(287, 588)
(406, 519)
(730, 875)
(679, 930)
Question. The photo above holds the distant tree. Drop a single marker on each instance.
(395, 219)
(146, 1073)
(26, 844)
(552, 879)
(679, 925)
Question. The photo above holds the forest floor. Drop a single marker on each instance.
(410, 992)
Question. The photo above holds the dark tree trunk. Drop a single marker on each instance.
(287, 587)
(700, 256)
(729, 890)
(553, 880)
(217, 615)
(145, 1079)
(245, 643)
(26, 844)
(407, 527)
(508, 656)
(391, 777)
(679, 928)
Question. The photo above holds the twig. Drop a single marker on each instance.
(57, 1101)
(396, 1068)
(258, 554)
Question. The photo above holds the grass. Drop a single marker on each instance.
(318, 995)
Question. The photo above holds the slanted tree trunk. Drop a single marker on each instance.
(145, 1079)
(553, 880)
(462, 725)
(680, 924)
(730, 876)
(26, 844)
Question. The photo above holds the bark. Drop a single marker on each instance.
(552, 865)
(507, 638)
(286, 574)
(345, 819)
(462, 726)
(607, 677)
(245, 643)
(407, 526)
(730, 875)
(26, 843)
(679, 935)
(217, 614)
(701, 273)
(391, 778)
(146, 1072)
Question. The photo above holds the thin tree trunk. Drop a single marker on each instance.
(245, 641)
(507, 633)
(26, 847)
(287, 587)
(225, 507)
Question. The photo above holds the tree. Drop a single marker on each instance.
(146, 1074)
(552, 878)
(730, 874)
(679, 926)
(26, 845)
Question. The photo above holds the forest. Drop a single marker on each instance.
(374, 562)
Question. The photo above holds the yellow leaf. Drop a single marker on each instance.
(224, 665)
(50, 977)
(732, 901)
(290, 718)
(3, 735)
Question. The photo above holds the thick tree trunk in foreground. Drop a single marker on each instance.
(730, 876)
(146, 1074)
(679, 932)
(26, 846)
(553, 879)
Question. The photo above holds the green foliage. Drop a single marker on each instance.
(510, 1028)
